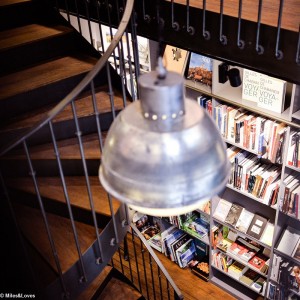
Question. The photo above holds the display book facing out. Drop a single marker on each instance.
(183, 239)
(258, 121)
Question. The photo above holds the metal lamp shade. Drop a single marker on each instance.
(163, 154)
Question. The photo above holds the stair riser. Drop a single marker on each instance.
(63, 130)
(32, 53)
(45, 95)
(19, 168)
(58, 208)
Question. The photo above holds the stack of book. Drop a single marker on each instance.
(289, 242)
(293, 154)
(236, 270)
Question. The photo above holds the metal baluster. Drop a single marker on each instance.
(116, 239)
(298, 49)
(146, 17)
(97, 115)
(79, 133)
(240, 42)
(205, 33)
(278, 52)
(127, 257)
(47, 226)
(78, 17)
(259, 48)
(136, 261)
(129, 58)
(110, 92)
(159, 279)
(88, 19)
(100, 27)
(152, 277)
(62, 177)
(189, 29)
(135, 52)
(175, 25)
(67, 11)
(222, 37)
(144, 266)
(112, 262)
(120, 257)
(168, 288)
(108, 6)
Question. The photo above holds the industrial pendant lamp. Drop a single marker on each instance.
(163, 154)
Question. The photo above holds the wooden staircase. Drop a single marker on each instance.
(42, 59)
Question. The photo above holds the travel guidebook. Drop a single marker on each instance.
(199, 72)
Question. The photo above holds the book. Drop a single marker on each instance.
(233, 214)
(296, 251)
(267, 235)
(258, 284)
(250, 88)
(257, 226)
(155, 242)
(177, 244)
(249, 277)
(175, 59)
(288, 241)
(259, 262)
(237, 269)
(224, 244)
(244, 220)
(222, 210)
(186, 253)
(199, 70)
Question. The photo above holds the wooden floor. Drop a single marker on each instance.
(192, 287)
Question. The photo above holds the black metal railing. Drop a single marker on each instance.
(138, 262)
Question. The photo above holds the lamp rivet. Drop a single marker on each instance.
(181, 113)
(154, 117)
(146, 115)
(164, 117)
(174, 116)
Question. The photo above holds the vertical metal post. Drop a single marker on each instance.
(45, 219)
(78, 133)
(67, 10)
(144, 266)
(113, 219)
(189, 29)
(146, 17)
(62, 177)
(120, 257)
(240, 42)
(205, 33)
(152, 277)
(78, 18)
(88, 20)
(110, 91)
(222, 37)
(298, 48)
(259, 48)
(175, 25)
(168, 288)
(136, 261)
(159, 279)
(278, 52)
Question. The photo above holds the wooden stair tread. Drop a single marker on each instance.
(28, 34)
(84, 107)
(118, 290)
(53, 71)
(11, 2)
(95, 284)
(61, 231)
(51, 187)
(68, 149)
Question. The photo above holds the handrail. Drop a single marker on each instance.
(158, 262)
(80, 87)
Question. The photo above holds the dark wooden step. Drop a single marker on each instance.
(29, 44)
(63, 124)
(51, 188)
(33, 228)
(40, 85)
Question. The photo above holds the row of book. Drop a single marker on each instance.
(289, 242)
(285, 276)
(239, 271)
(289, 200)
(293, 153)
(249, 174)
(254, 225)
(246, 251)
(263, 136)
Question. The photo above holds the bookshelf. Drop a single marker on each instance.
(225, 94)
